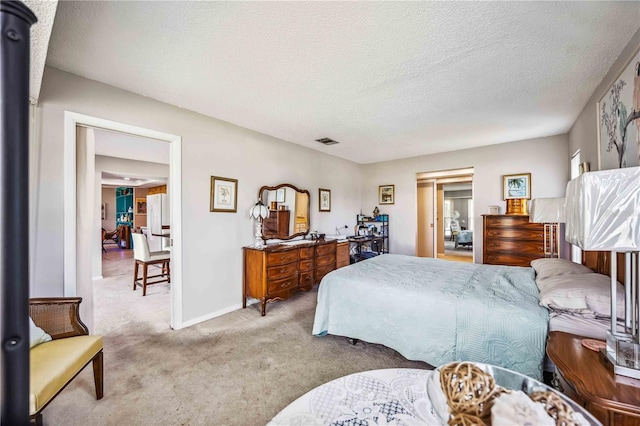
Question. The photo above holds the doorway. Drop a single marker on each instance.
(79, 237)
(445, 215)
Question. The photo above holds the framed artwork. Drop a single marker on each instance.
(516, 186)
(224, 194)
(281, 195)
(325, 200)
(141, 206)
(386, 194)
(619, 120)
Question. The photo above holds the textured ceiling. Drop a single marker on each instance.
(45, 11)
(386, 79)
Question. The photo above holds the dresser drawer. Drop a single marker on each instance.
(306, 253)
(498, 258)
(306, 278)
(342, 263)
(282, 271)
(321, 272)
(282, 257)
(510, 222)
(514, 233)
(532, 248)
(276, 286)
(306, 264)
(329, 259)
(325, 249)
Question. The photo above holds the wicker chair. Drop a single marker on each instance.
(54, 364)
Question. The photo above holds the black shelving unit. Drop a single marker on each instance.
(376, 240)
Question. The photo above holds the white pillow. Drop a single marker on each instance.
(36, 334)
(550, 267)
(600, 302)
(569, 292)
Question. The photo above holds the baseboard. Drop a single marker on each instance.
(99, 277)
(212, 315)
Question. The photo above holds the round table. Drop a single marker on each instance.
(377, 397)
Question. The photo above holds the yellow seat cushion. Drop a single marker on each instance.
(53, 364)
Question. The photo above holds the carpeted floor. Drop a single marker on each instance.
(238, 369)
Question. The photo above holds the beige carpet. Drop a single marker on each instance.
(238, 369)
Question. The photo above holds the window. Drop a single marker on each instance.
(576, 252)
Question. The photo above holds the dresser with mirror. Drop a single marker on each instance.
(276, 271)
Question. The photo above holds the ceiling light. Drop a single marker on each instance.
(126, 178)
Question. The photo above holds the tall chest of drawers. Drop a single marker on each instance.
(277, 271)
(511, 240)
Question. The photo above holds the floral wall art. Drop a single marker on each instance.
(619, 120)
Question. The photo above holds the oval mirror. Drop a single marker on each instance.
(288, 211)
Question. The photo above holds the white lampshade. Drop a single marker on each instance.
(547, 210)
(603, 210)
(259, 211)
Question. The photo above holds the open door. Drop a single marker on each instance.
(426, 220)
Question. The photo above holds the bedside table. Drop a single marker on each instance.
(587, 379)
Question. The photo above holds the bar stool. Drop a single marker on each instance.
(145, 258)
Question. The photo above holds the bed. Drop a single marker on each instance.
(464, 238)
(438, 311)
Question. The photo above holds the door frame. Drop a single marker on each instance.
(71, 121)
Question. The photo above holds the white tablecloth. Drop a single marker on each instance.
(393, 396)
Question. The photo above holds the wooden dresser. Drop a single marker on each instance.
(342, 254)
(279, 270)
(511, 240)
(277, 223)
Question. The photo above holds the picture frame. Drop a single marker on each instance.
(224, 195)
(141, 206)
(281, 195)
(516, 186)
(386, 194)
(619, 147)
(324, 200)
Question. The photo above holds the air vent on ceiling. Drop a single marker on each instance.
(327, 141)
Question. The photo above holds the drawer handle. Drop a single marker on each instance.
(539, 235)
(285, 257)
(283, 285)
(283, 270)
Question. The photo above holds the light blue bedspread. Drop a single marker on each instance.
(438, 311)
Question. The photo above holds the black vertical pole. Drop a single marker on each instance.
(15, 23)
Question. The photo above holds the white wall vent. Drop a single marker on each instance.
(327, 141)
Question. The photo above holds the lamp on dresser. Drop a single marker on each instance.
(550, 212)
(259, 212)
(603, 214)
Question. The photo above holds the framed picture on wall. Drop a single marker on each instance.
(224, 195)
(619, 120)
(516, 186)
(281, 195)
(325, 200)
(386, 194)
(141, 206)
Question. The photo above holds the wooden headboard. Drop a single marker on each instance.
(600, 262)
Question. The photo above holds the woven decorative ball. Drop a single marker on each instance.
(468, 389)
(462, 419)
(561, 412)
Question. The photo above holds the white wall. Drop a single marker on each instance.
(547, 159)
(109, 197)
(212, 258)
(584, 132)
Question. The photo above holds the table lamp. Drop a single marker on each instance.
(603, 214)
(259, 212)
(550, 212)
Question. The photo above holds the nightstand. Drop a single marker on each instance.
(587, 379)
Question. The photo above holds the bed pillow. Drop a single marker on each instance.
(569, 292)
(36, 334)
(550, 267)
(600, 302)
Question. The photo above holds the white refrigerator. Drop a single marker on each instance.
(157, 217)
